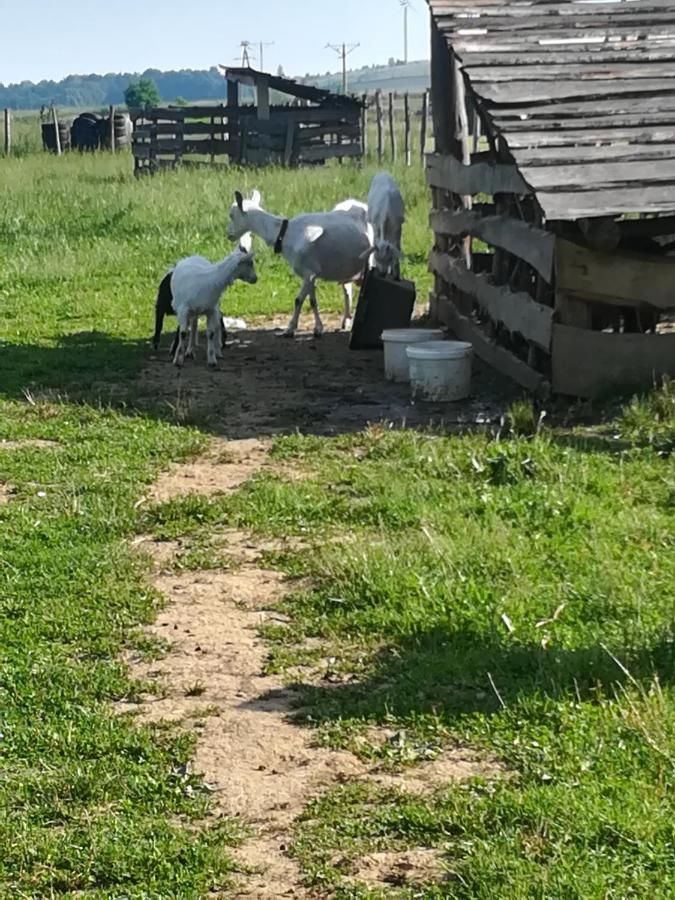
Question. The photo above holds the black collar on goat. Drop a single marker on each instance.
(279, 243)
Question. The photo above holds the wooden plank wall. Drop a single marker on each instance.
(583, 93)
(480, 198)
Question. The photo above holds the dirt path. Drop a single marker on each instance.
(261, 766)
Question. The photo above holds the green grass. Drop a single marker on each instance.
(573, 691)
(515, 595)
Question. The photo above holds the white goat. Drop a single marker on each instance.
(359, 212)
(386, 213)
(197, 286)
(329, 246)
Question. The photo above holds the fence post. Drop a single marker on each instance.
(364, 126)
(406, 110)
(380, 136)
(423, 126)
(112, 129)
(392, 127)
(57, 136)
(8, 132)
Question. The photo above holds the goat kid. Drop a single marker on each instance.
(386, 213)
(197, 286)
(164, 307)
(317, 246)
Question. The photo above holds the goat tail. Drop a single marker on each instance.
(163, 307)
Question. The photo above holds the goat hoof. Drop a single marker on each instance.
(318, 332)
(287, 334)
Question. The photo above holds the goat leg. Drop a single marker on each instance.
(300, 299)
(348, 291)
(318, 324)
(183, 334)
(213, 332)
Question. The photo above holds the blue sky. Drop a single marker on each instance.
(51, 39)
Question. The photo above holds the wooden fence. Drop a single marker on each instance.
(395, 126)
(202, 135)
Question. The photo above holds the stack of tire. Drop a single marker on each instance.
(122, 130)
(49, 136)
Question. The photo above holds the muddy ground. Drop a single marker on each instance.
(267, 384)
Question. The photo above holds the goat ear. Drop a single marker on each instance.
(240, 200)
(256, 198)
(246, 242)
(367, 254)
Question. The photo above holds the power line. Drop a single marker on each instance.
(343, 51)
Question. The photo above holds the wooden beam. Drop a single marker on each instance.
(423, 125)
(290, 142)
(517, 311)
(232, 93)
(571, 205)
(8, 132)
(495, 356)
(448, 173)
(442, 94)
(534, 245)
(111, 114)
(57, 134)
(620, 278)
(263, 89)
(594, 363)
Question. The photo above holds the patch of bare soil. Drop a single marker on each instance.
(260, 764)
(28, 444)
(6, 493)
(224, 468)
(406, 868)
(268, 384)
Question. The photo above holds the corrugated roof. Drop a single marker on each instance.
(583, 92)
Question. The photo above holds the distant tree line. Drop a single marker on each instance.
(92, 91)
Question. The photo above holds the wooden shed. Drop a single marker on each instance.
(313, 126)
(553, 184)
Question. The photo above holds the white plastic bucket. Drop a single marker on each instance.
(440, 370)
(395, 341)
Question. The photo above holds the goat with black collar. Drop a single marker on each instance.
(328, 246)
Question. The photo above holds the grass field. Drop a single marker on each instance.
(513, 595)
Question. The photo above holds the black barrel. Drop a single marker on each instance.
(86, 132)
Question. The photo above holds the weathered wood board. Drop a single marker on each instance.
(534, 245)
(518, 312)
(592, 363)
(622, 279)
(492, 354)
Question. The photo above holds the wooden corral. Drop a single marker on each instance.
(316, 126)
(568, 177)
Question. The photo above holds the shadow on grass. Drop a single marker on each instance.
(449, 674)
(88, 366)
(264, 385)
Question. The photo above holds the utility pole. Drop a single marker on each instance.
(261, 57)
(343, 51)
(406, 6)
